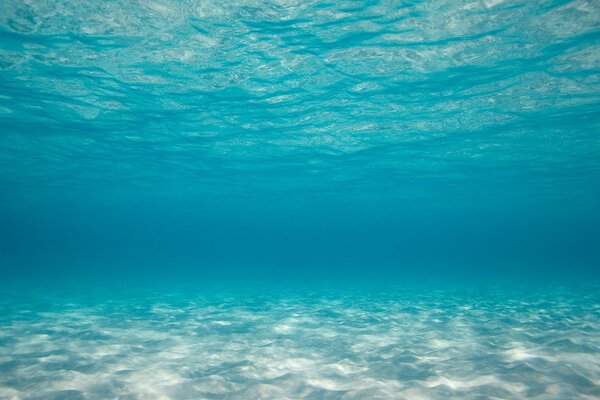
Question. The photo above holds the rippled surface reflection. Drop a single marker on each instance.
(346, 100)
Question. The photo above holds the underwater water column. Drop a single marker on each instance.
(289, 199)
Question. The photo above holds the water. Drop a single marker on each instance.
(299, 199)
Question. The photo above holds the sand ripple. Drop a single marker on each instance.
(401, 344)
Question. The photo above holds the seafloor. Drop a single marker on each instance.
(400, 343)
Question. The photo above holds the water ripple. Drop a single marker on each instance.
(179, 94)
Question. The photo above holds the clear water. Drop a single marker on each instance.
(279, 160)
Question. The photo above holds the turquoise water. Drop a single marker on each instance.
(299, 199)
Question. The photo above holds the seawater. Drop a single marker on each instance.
(290, 199)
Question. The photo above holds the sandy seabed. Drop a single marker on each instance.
(389, 344)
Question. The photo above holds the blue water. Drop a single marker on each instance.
(299, 199)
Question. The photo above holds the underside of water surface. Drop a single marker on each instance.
(288, 199)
